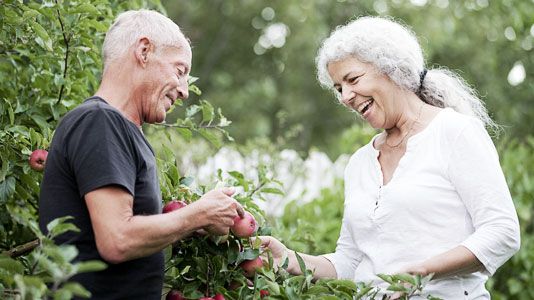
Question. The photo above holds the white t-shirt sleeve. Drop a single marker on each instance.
(347, 256)
(475, 172)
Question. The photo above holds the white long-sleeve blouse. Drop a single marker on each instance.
(448, 190)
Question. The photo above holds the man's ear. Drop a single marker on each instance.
(143, 49)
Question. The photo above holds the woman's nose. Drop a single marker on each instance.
(347, 96)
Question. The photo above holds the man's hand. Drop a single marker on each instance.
(219, 210)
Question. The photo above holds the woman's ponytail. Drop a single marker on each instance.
(444, 88)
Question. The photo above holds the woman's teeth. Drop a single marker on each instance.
(362, 108)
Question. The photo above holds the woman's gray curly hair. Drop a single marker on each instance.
(394, 50)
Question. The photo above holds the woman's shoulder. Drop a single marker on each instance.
(363, 153)
(453, 123)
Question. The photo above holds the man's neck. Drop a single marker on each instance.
(116, 90)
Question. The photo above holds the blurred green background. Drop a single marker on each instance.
(255, 59)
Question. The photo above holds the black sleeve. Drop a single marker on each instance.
(101, 153)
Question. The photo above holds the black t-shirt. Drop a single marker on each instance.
(96, 146)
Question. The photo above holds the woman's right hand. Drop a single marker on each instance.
(320, 265)
(278, 250)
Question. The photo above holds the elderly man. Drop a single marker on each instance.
(102, 171)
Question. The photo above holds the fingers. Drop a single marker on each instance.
(202, 232)
(228, 191)
(265, 241)
(240, 210)
(218, 230)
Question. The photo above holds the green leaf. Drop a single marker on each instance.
(62, 228)
(97, 25)
(62, 294)
(187, 181)
(51, 268)
(86, 8)
(398, 288)
(7, 188)
(90, 266)
(349, 284)
(43, 39)
(248, 254)
(30, 14)
(406, 278)
(59, 226)
(192, 110)
(185, 270)
(317, 290)
(193, 88)
(210, 137)
(237, 175)
(185, 133)
(386, 278)
(11, 114)
(302, 265)
(4, 169)
(207, 111)
(191, 79)
(10, 265)
(40, 121)
(268, 190)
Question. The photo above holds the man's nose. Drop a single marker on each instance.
(183, 91)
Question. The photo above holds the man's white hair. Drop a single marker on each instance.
(131, 25)
(394, 50)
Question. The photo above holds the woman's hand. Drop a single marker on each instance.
(278, 250)
(321, 266)
(418, 269)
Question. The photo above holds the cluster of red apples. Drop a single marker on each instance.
(243, 227)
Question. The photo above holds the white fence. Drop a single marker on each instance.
(302, 179)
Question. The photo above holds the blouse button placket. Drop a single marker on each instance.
(378, 198)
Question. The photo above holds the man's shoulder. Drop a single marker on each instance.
(93, 109)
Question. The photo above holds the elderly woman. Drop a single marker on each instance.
(427, 194)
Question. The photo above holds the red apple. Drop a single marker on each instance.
(264, 293)
(37, 159)
(175, 295)
(218, 297)
(244, 227)
(250, 266)
(173, 205)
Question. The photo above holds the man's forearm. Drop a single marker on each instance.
(121, 236)
(144, 235)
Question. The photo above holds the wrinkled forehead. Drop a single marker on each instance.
(340, 67)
